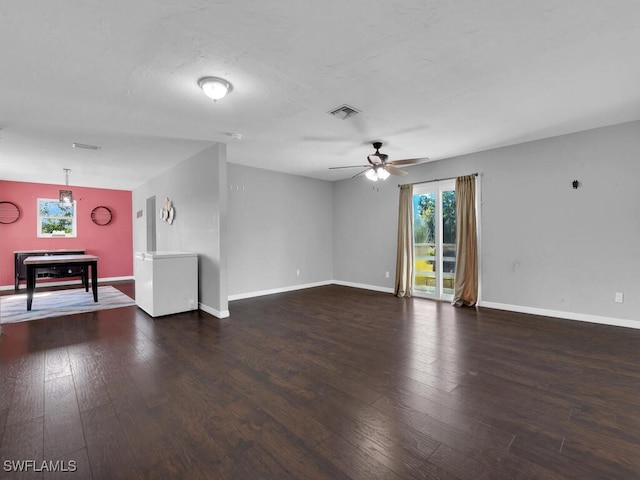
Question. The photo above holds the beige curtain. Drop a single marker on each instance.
(404, 259)
(466, 280)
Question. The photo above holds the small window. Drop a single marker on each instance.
(56, 219)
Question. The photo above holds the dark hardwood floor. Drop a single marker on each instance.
(326, 383)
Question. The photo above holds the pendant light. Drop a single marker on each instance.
(66, 197)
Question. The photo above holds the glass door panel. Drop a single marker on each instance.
(448, 241)
(434, 242)
(424, 242)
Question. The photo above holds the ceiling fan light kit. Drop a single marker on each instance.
(375, 174)
(383, 173)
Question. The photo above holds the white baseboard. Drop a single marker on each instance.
(581, 317)
(23, 286)
(115, 279)
(375, 288)
(242, 296)
(617, 322)
(213, 311)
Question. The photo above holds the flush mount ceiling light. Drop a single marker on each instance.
(215, 88)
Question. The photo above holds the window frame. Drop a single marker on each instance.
(40, 218)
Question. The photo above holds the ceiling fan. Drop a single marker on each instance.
(380, 167)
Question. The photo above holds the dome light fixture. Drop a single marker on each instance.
(214, 87)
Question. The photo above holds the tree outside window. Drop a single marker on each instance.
(425, 217)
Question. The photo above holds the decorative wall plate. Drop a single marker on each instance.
(101, 216)
(9, 212)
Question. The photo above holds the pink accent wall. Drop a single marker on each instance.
(113, 243)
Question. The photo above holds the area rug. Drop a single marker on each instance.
(13, 308)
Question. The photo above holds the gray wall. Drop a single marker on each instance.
(365, 229)
(278, 224)
(544, 245)
(196, 187)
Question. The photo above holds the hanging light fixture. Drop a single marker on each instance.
(215, 88)
(66, 197)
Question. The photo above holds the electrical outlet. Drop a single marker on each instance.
(298, 272)
(386, 274)
(619, 298)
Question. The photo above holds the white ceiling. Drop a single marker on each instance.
(434, 78)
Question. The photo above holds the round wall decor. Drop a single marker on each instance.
(9, 212)
(101, 216)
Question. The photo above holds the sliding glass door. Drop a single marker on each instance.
(434, 243)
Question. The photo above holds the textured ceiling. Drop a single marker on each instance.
(432, 78)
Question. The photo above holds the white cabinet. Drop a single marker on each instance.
(166, 282)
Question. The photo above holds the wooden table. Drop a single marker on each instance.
(21, 270)
(85, 261)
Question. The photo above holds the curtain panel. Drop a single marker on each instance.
(404, 258)
(466, 277)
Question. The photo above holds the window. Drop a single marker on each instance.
(56, 219)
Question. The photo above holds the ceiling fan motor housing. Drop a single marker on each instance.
(381, 157)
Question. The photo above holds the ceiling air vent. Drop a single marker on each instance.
(343, 112)
(85, 146)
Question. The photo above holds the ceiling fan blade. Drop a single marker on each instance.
(394, 171)
(350, 166)
(408, 161)
(358, 174)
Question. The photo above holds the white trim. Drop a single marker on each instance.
(616, 322)
(213, 311)
(23, 286)
(116, 279)
(363, 286)
(581, 317)
(260, 293)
